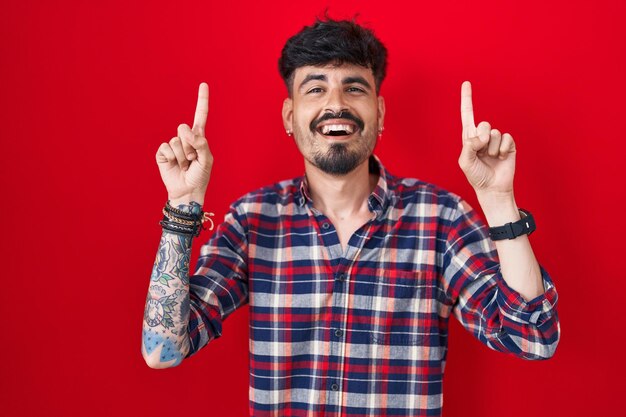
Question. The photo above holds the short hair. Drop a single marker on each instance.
(333, 42)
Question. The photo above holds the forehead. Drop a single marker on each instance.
(333, 72)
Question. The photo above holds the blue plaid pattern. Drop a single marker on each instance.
(362, 332)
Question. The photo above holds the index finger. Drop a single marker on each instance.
(467, 109)
(202, 110)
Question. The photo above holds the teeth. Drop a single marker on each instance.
(337, 128)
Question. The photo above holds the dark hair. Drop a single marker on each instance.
(336, 42)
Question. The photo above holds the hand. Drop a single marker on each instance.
(185, 162)
(487, 157)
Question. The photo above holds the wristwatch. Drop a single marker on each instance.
(524, 226)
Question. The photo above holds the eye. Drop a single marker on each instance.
(354, 89)
(315, 90)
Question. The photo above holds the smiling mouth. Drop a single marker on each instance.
(337, 129)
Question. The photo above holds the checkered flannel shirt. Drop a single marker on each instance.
(361, 331)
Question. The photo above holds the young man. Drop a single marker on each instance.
(351, 273)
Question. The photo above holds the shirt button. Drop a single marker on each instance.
(325, 225)
(334, 387)
(341, 277)
(338, 333)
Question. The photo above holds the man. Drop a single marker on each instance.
(351, 273)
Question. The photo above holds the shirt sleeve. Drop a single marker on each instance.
(483, 302)
(220, 283)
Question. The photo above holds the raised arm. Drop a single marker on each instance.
(185, 164)
(511, 304)
(488, 161)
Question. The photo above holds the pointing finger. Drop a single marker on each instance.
(202, 110)
(467, 109)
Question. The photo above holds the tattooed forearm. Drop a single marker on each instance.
(166, 315)
(165, 340)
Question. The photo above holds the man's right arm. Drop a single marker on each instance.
(165, 336)
(185, 164)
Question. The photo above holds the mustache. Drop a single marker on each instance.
(344, 114)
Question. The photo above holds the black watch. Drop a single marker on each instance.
(524, 226)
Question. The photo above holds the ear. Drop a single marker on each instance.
(288, 114)
(381, 111)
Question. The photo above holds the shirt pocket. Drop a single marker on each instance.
(402, 308)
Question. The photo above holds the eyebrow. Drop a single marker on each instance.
(313, 77)
(357, 79)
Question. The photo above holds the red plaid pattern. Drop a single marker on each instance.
(360, 332)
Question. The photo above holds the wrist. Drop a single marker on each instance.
(499, 208)
(186, 200)
(184, 219)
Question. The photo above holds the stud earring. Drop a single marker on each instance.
(288, 132)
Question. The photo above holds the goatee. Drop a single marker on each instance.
(338, 160)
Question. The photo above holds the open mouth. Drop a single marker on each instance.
(339, 126)
(336, 129)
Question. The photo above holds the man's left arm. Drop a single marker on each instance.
(488, 161)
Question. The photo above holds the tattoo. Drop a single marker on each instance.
(184, 304)
(160, 310)
(163, 347)
(167, 309)
(191, 208)
(183, 249)
(161, 263)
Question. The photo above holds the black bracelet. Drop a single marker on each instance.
(175, 226)
(183, 222)
(183, 214)
(180, 229)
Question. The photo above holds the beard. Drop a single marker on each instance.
(339, 160)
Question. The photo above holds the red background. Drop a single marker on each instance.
(90, 89)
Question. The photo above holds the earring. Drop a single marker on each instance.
(288, 132)
(380, 131)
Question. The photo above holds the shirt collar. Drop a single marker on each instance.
(378, 199)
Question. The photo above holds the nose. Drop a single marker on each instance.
(336, 102)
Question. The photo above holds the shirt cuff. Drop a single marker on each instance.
(536, 311)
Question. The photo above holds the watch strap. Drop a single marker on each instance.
(524, 226)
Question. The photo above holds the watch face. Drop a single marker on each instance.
(154, 312)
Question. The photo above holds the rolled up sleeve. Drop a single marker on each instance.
(485, 305)
(532, 325)
(219, 285)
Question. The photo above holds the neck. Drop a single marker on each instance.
(339, 197)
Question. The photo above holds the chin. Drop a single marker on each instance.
(338, 160)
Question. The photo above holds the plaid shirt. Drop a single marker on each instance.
(356, 332)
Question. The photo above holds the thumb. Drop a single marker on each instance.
(471, 146)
